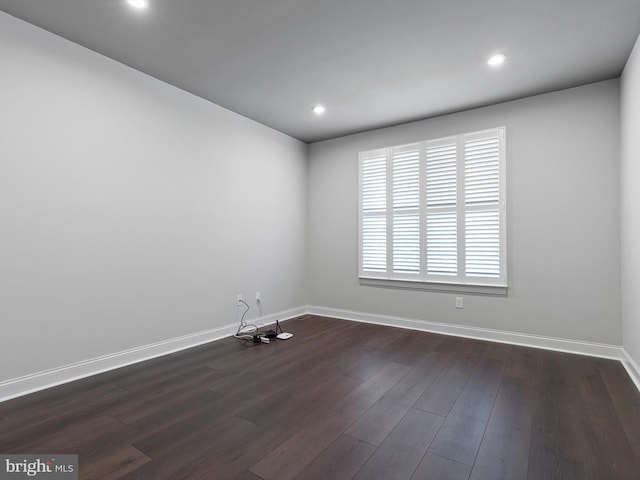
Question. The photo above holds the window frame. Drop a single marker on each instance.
(461, 282)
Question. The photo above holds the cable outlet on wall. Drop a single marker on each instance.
(239, 300)
(258, 297)
(459, 302)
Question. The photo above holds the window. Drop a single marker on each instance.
(434, 211)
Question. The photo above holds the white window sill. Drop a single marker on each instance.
(479, 289)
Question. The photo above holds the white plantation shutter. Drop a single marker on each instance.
(405, 185)
(373, 196)
(434, 211)
(374, 248)
(482, 242)
(441, 206)
(406, 243)
(482, 204)
(442, 244)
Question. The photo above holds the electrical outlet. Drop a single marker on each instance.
(239, 300)
(459, 302)
(258, 297)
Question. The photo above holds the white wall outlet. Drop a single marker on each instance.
(258, 297)
(459, 302)
(239, 300)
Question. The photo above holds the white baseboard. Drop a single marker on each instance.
(18, 387)
(548, 343)
(632, 368)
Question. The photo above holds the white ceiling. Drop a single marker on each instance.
(373, 63)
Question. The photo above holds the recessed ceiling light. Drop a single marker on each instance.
(138, 3)
(318, 109)
(497, 59)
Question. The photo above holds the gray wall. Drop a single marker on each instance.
(630, 202)
(563, 219)
(132, 212)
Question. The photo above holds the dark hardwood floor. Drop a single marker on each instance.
(339, 401)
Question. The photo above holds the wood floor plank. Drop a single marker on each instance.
(382, 336)
(174, 414)
(184, 457)
(381, 419)
(440, 397)
(411, 348)
(340, 461)
(435, 467)
(31, 413)
(504, 451)
(553, 432)
(579, 438)
(65, 434)
(294, 455)
(362, 362)
(300, 401)
(237, 454)
(156, 443)
(296, 361)
(113, 465)
(612, 455)
(375, 425)
(247, 475)
(522, 363)
(625, 399)
(442, 394)
(461, 434)
(400, 454)
(161, 396)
